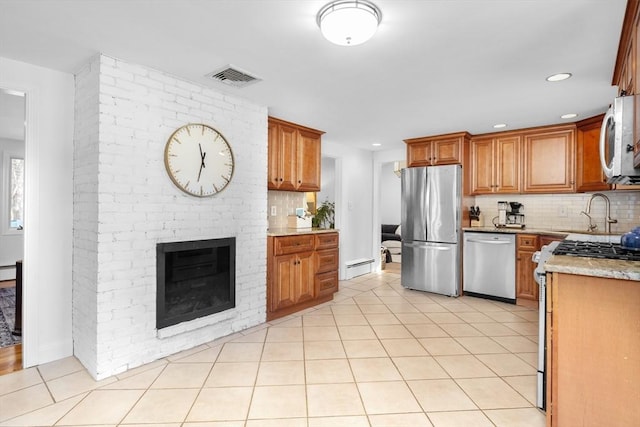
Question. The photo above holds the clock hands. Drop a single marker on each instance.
(202, 165)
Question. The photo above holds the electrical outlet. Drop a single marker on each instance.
(562, 211)
(273, 211)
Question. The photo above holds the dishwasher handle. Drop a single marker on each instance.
(491, 242)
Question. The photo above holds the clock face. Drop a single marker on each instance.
(199, 160)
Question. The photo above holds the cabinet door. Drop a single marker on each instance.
(419, 154)
(548, 161)
(273, 150)
(589, 174)
(308, 158)
(526, 286)
(287, 141)
(446, 151)
(327, 260)
(326, 283)
(304, 286)
(482, 166)
(283, 295)
(507, 164)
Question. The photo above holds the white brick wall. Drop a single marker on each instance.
(132, 205)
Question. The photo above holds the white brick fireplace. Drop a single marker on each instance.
(124, 204)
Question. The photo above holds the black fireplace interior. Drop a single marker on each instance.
(195, 279)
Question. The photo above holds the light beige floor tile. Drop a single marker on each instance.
(530, 358)
(419, 368)
(389, 397)
(328, 371)
(367, 300)
(19, 380)
(257, 336)
(276, 422)
(442, 346)
(528, 315)
(404, 308)
(364, 348)
(392, 299)
(430, 307)
(492, 393)
(440, 395)
(403, 347)
(346, 308)
(142, 381)
(426, 331)
(201, 424)
(475, 317)
(374, 309)
(186, 353)
(493, 329)
(413, 318)
(350, 319)
(324, 350)
(461, 330)
(293, 321)
(374, 369)
(459, 307)
(505, 317)
(400, 420)
(47, 416)
(281, 351)
(525, 385)
(441, 318)
(348, 421)
(162, 406)
(464, 366)
(382, 319)
(529, 417)
(209, 355)
(232, 374)
(333, 400)
(506, 364)
(517, 344)
(183, 375)
(356, 332)
(459, 419)
(481, 345)
(221, 404)
(102, 407)
(286, 401)
(527, 328)
(320, 333)
(385, 291)
(59, 368)
(391, 331)
(143, 368)
(318, 320)
(240, 352)
(70, 385)
(281, 373)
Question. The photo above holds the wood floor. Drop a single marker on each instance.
(10, 357)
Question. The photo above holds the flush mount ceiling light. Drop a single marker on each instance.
(568, 116)
(500, 125)
(558, 77)
(349, 22)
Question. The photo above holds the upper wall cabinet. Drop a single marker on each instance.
(495, 164)
(589, 174)
(447, 149)
(549, 160)
(294, 157)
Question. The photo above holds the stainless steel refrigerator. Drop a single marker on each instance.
(431, 229)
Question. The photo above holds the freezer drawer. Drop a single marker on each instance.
(490, 265)
(431, 267)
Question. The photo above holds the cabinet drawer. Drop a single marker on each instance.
(293, 244)
(326, 260)
(326, 283)
(527, 241)
(326, 240)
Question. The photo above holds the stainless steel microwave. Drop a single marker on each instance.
(617, 138)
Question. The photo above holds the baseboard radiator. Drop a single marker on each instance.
(358, 267)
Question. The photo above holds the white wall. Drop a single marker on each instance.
(48, 208)
(328, 187)
(11, 241)
(389, 195)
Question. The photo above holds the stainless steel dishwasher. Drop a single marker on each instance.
(489, 265)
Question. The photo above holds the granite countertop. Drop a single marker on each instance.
(515, 230)
(596, 267)
(296, 231)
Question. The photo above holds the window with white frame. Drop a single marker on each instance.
(16, 193)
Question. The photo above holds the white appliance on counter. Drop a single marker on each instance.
(617, 138)
(490, 265)
(431, 229)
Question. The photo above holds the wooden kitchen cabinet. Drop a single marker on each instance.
(526, 286)
(495, 164)
(589, 173)
(593, 351)
(548, 160)
(302, 271)
(294, 155)
(447, 149)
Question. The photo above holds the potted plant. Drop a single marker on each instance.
(325, 215)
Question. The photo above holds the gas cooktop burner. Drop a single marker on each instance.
(596, 250)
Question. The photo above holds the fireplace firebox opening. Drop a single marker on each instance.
(194, 279)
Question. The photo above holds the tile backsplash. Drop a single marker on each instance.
(563, 211)
(285, 203)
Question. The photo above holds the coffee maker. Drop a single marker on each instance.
(509, 215)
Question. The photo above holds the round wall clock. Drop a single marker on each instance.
(199, 160)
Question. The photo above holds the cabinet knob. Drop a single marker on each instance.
(280, 179)
(299, 181)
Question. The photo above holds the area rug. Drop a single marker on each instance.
(7, 317)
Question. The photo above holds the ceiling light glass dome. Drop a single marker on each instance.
(349, 22)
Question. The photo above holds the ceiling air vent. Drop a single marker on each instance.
(232, 76)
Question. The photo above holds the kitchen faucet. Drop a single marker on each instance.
(607, 219)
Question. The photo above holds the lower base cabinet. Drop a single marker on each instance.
(302, 271)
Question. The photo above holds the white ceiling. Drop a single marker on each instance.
(434, 66)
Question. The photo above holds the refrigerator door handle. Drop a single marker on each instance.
(490, 242)
(433, 248)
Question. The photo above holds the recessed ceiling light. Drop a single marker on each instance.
(558, 77)
(568, 116)
(376, 144)
(500, 125)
